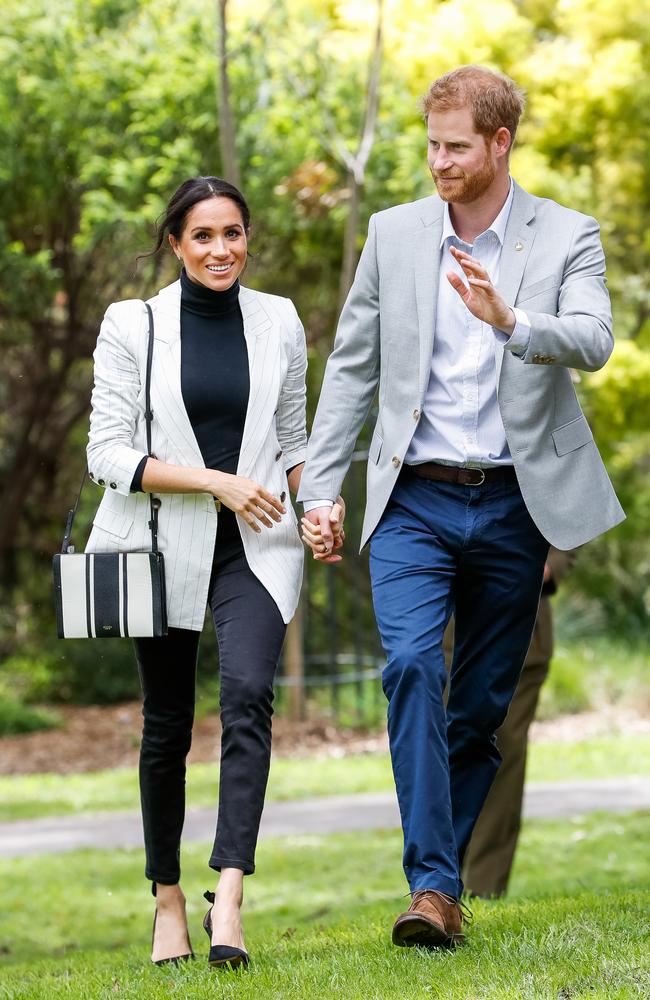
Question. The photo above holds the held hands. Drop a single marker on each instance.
(479, 295)
(248, 499)
(322, 531)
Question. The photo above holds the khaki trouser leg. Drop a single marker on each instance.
(491, 851)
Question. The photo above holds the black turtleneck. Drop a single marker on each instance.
(214, 373)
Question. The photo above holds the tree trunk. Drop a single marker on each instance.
(357, 164)
(350, 255)
(229, 162)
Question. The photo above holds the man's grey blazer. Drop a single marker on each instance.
(553, 267)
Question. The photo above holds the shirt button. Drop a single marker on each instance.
(113, 486)
(416, 414)
(396, 462)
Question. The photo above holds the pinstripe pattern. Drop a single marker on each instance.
(274, 439)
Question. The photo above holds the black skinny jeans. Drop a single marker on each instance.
(250, 632)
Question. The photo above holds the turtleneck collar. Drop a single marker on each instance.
(206, 302)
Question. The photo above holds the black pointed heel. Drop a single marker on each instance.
(175, 959)
(222, 956)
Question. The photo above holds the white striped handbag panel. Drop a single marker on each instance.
(105, 595)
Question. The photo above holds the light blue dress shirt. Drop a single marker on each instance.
(460, 422)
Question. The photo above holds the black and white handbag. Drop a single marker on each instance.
(106, 595)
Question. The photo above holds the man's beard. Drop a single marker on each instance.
(469, 187)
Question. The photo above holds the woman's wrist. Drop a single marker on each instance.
(213, 482)
(293, 477)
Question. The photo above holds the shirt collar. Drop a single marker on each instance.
(498, 227)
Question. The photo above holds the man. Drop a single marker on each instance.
(488, 860)
(467, 311)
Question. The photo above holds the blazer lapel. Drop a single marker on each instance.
(517, 244)
(263, 345)
(426, 270)
(167, 396)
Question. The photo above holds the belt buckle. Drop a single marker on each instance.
(481, 480)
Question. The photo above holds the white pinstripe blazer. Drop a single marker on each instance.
(274, 440)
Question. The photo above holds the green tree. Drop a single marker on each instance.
(105, 106)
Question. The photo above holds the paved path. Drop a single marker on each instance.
(339, 813)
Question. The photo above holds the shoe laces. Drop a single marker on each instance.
(466, 914)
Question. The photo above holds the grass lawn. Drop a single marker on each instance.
(318, 917)
(26, 796)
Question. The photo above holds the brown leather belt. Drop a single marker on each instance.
(461, 476)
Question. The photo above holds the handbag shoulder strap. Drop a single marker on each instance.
(154, 502)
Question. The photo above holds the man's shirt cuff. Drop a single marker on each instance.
(313, 504)
(518, 341)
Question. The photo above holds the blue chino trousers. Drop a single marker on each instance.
(439, 548)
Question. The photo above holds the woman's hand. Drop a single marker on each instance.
(248, 499)
(244, 496)
(324, 543)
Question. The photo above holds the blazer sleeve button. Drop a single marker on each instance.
(396, 462)
(101, 482)
(113, 486)
(92, 475)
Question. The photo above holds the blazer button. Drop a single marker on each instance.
(396, 462)
(101, 482)
(283, 496)
(278, 456)
(113, 486)
(416, 414)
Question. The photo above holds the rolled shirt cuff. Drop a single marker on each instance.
(136, 482)
(313, 504)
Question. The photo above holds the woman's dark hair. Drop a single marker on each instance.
(191, 192)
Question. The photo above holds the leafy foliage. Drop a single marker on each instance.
(106, 106)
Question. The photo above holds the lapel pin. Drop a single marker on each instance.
(519, 245)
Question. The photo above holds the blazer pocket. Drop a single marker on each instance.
(530, 291)
(374, 451)
(113, 523)
(573, 435)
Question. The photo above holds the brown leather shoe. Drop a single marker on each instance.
(433, 920)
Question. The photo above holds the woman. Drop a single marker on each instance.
(228, 436)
